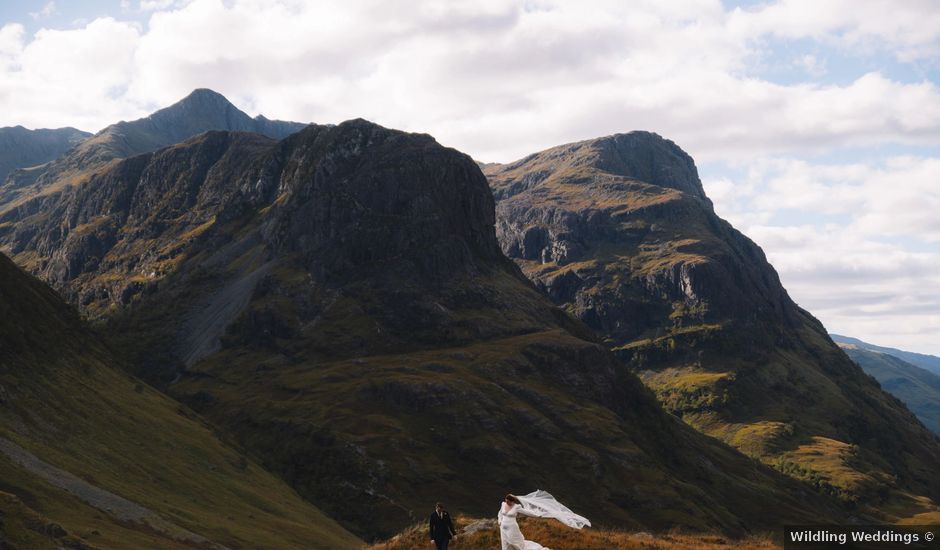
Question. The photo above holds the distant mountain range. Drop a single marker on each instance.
(381, 325)
(20, 148)
(917, 387)
(200, 111)
(924, 361)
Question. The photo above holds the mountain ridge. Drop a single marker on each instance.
(24, 148)
(694, 307)
(200, 111)
(922, 360)
(918, 388)
(321, 297)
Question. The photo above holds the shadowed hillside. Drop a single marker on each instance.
(22, 148)
(919, 389)
(924, 361)
(92, 458)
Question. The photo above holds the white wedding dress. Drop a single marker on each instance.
(538, 505)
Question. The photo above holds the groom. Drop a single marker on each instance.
(441, 527)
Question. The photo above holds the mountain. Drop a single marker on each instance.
(927, 362)
(22, 148)
(93, 458)
(618, 231)
(918, 388)
(199, 112)
(338, 304)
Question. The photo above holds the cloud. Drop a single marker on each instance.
(812, 65)
(152, 5)
(910, 30)
(47, 10)
(70, 77)
(502, 79)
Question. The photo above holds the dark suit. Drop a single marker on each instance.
(441, 529)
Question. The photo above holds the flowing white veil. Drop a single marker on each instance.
(543, 505)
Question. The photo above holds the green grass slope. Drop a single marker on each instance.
(90, 455)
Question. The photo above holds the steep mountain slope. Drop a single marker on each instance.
(924, 361)
(91, 458)
(918, 388)
(619, 232)
(21, 148)
(339, 303)
(200, 111)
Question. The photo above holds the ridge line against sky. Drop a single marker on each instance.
(815, 124)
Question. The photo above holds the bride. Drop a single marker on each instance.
(539, 505)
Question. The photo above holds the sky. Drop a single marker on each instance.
(815, 124)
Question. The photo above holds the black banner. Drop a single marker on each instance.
(867, 537)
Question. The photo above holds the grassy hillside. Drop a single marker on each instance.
(918, 388)
(88, 453)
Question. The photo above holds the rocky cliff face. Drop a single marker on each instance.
(338, 303)
(22, 148)
(618, 231)
(201, 111)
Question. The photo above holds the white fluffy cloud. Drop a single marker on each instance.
(910, 29)
(502, 78)
(67, 77)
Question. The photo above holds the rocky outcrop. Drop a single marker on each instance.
(122, 231)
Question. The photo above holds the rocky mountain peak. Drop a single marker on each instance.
(200, 111)
(650, 158)
(603, 164)
(201, 103)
